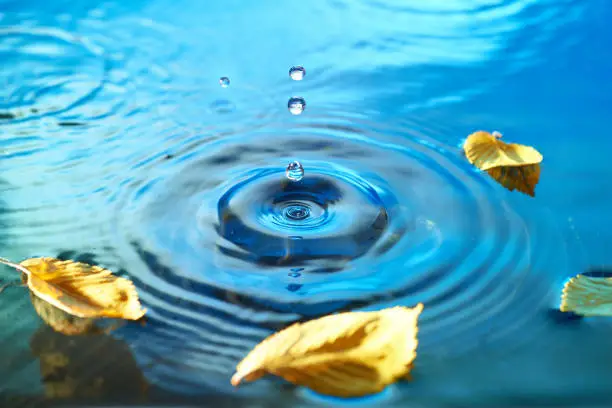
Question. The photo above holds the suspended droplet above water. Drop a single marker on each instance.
(296, 105)
(224, 82)
(295, 272)
(295, 171)
(297, 73)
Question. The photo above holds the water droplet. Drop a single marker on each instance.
(224, 82)
(296, 105)
(295, 274)
(295, 171)
(496, 134)
(297, 73)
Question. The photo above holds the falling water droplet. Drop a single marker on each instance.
(296, 105)
(297, 73)
(224, 82)
(295, 171)
(295, 272)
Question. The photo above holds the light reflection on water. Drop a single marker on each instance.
(117, 140)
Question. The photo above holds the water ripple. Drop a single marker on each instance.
(228, 268)
(212, 109)
(117, 139)
(47, 71)
(434, 53)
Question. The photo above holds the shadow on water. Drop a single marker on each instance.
(97, 368)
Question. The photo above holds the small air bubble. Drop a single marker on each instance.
(295, 171)
(297, 73)
(224, 82)
(296, 105)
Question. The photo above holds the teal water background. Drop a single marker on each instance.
(117, 144)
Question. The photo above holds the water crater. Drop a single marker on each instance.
(335, 216)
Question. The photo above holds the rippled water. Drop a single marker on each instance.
(153, 138)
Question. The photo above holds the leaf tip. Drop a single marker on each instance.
(137, 314)
(247, 376)
(236, 379)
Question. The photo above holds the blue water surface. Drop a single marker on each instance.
(122, 144)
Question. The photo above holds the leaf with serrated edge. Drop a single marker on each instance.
(80, 289)
(521, 178)
(514, 166)
(346, 355)
(587, 296)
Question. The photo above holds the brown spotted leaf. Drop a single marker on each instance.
(80, 289)
(523, 178)
(346, 355)
(514, 166)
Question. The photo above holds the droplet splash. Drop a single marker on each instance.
(295, 171)
(297, 211)
(297, 73)
(296, 105)
(224, 82)
(379, 232)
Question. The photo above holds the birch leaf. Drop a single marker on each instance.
(345, 355)
(80, 289)
(514, 166)
(587, 296)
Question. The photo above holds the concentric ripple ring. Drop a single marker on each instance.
(46, 71)
(324, 216)
(382, 217)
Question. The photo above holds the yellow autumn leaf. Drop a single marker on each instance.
(514, 166)
(345, 355)
(587, 296)
(80, 289)
(523, 178)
